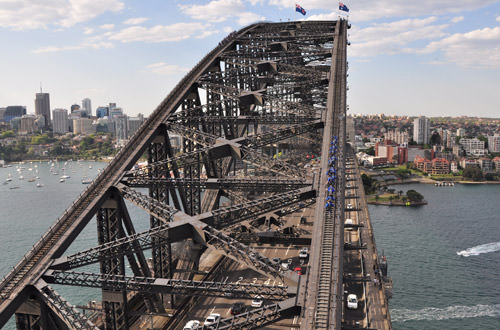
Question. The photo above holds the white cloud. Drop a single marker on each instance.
(218, 11)
(88, 30)
(35, 14)
(457, 19)
(393, 37)
(162, 68)
(474, 49)
(248, 18)
(85, 45)
(214, 11)
(136, 20)
(162, 33)
(107, 26)
(498, 19)
(363, 10)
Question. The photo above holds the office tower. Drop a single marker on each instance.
(421, 130)
(60, 121)
(102, 112)
(87, 106)
(75, 108)
(42, 106)
(13, 111)
(121, 126)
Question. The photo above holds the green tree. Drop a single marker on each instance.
(473, 172)
(7, 134)
(414, 196)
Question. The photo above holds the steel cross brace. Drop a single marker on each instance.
(257, 184)
(228, 246)
(65, 311)
(257, 318)
(169, 286)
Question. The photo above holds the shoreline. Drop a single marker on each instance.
(397, 204)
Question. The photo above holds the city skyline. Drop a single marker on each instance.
(439, 61)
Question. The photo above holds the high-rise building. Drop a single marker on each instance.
(2, 113)
(82, 126)
(121, 126)
(102, 112)
(27, 124)
(421, 130)
(60, 123)
(87, 106)
(461, 132)
(397, 136)
(134, 123)
(494, 143)
(42, 106)
(75, 108)
(114, 112)
(13, 111)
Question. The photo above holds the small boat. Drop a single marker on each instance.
(39, 185)
(86, 180)
(21, 177)
(65, 176)
(90, 166)
(61, 180)
(15, 187)
(32, 180)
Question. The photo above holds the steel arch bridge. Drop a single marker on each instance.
(247, 114)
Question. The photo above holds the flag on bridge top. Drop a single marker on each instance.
(300, 9)
(343, 7)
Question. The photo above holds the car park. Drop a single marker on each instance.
(257, 302)
(352, 301)
(193, 324)
(212, 319)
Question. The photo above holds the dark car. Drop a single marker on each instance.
(237, 308)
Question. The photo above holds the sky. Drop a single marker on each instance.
(433, 58)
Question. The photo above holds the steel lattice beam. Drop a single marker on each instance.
(65, 311)
(169, 286)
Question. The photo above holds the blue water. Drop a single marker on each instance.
(444, 257)
(27, 212)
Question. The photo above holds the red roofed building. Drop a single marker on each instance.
(440, 166)
(435, 166)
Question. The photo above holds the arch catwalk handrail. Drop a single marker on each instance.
(123, 154)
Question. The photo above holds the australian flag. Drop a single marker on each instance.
(300, 9)
(343, 7)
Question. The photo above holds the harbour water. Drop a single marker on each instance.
(444, 257)
(27, 211)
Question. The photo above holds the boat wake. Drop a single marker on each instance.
(480, 249)
(451, 312)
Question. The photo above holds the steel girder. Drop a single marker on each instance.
(259, 317)
(169, 286)
(109, 228)
(243, 184)
(72, 318)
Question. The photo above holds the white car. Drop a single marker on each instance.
(212, 319)
(257, 302)
(285, 265)
(349, 206)
(347, 223)
(193, 324)
(352, 301)
(304, 253)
